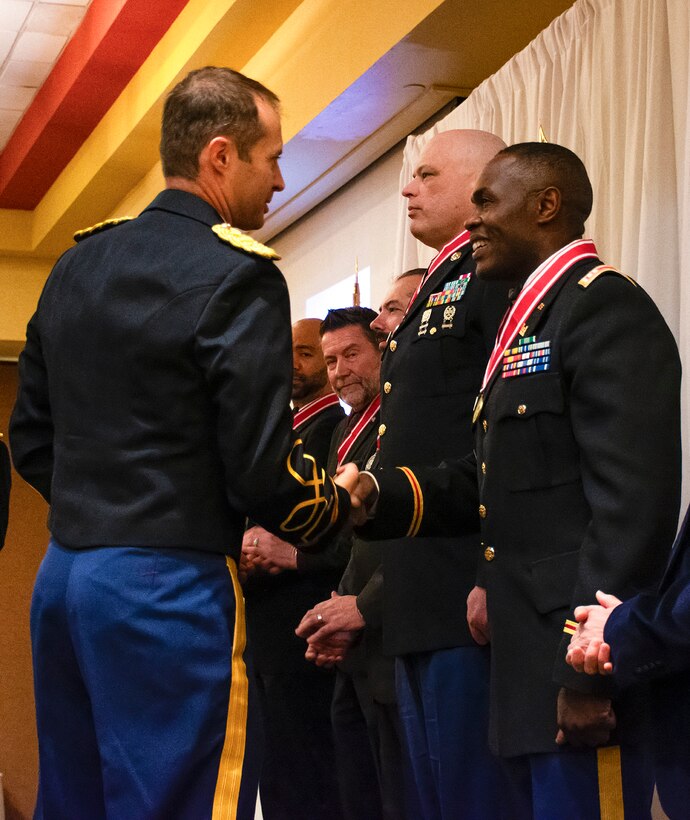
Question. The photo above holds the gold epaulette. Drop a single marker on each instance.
(101, 226)
(595, 273)
(235, 237)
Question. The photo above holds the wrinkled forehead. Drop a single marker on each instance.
(337, 340)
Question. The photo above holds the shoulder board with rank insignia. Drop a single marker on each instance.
(101, 226)
(595, 273)
(238, 239)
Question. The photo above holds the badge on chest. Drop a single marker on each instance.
(452, 292)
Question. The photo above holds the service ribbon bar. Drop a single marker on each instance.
(452, 292)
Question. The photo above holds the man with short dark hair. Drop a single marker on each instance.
(153, 415)
(577, 465)
(347, 626)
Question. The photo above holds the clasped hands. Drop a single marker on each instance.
(264, 551)
(330, 628)
(584, 719)
(587, 651)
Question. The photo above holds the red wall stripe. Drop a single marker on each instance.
(113, 40)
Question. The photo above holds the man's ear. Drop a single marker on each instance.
(548, 205)
(220, 154)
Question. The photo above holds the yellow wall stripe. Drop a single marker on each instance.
(227, 794)
(610, 783)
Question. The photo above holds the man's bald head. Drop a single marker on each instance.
(306, 327)
(309, 376)
(439, 194)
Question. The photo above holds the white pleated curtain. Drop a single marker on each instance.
(610, 80)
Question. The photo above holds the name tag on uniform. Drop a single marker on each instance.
(530, 356)
(452, 292)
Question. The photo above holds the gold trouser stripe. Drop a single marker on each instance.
(226, 798)
(610, 783)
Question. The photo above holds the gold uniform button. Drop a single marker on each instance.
(393, 344)
(522, 409)
(387, 387)
(382, 429)
(489, 553)
(485, 425)
(432, 331)
(482, 511)
(483, 468)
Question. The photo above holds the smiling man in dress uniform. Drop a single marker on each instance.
(153, 415)
(577, 442)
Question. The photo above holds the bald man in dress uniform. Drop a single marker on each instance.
(430, 373)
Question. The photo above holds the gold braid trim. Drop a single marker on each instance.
(235, 237)
(306, 517)
(101, 226)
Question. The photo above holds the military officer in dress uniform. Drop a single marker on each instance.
(577, 441)
(353, 362)
(646, 639)
(430, 373)
(298, 773)
(364, 710)
(153, 415)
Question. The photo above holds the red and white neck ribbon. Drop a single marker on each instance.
(313, 409)
(367, 417)
(533, 291)
(446, 251)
